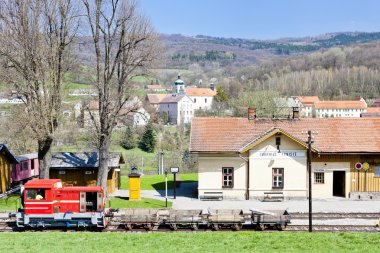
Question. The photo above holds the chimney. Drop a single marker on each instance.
(251, 113)
(296, 112)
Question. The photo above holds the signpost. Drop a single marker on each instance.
(174, 170)
(358, 167)
(166, 188)
(309, 142)
(365, 168)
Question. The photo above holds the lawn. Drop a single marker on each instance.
(118, 202)
(189, 242)
(157, 182)
(138, 157)
(143, 79)
(10, 203)
(73, 86)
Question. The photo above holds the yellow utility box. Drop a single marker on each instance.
(134, 186)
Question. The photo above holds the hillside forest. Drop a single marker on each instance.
(333, 67)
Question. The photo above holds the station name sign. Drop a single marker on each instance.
(276, 154)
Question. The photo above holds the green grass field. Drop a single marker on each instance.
(137, 156)
(157, 182)
(10, 203)
(118, 202)
(189, 242)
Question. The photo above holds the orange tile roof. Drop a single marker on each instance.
(373, 109)
(356, 104)
(199, 92)
(333, 135)
(308, 99)
(156, 98)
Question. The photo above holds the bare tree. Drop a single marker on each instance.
(125, 44)
(34, 37)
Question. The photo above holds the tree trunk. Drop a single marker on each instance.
(44, 157)
(104, 146)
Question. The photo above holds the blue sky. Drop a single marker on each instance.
(265, 19)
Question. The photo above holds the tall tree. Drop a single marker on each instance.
(34, 38)
(129, 140)
(125, 44)
(148, 140)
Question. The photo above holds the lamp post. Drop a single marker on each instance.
(309, 142)
(162, 162)
(174, 171)
(166, 188)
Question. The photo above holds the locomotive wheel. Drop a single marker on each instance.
(215, 227)
(194, 227)
(174, 227)
(148, 227)
(237, 227)
(261, 227)
(281, 227)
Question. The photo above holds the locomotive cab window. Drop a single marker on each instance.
(35, 194)
(91, 200)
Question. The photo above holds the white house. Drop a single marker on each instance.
(178, 107)
(202, 97)
(340, 109)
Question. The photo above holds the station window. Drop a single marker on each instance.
(228, 177)
(377, 171)
(319, 177)
(35, 194)
(278, 178)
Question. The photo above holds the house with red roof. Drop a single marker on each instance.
(202, 97)
(241, 158)
(371, 112)
(306, 104)
(344, 109)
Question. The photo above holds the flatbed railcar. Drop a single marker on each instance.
(46, 204)
(226, 218)
(138, 218)
(235, 219)
(176, 219)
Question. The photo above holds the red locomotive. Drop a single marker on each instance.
(49, 204)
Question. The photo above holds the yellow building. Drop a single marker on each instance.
(81, 168)
(6, 159)
(241, 159)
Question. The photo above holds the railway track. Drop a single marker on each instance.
(9, 225)
(333, 228)
(335, 216)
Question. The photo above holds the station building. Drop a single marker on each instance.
(241, 158)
